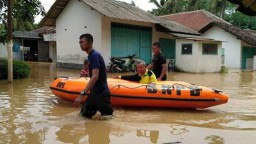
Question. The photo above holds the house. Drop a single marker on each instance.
(3, 50)
(49, 35)
(238, 47)
(31, 45)
(120, 29)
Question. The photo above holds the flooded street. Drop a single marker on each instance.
(30, 113)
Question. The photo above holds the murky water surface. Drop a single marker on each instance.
(30, 113)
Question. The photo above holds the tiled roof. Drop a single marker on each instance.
(196, 20)
(201, 21)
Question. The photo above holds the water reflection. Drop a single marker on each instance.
(91, 132)
(214, 139)
(151, 134)
(30, 113)
(178, 129)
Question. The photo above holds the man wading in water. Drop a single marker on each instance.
(99, 97)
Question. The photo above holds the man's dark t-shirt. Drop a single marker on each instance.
(158, 60)
(96, 62)
(99, 96)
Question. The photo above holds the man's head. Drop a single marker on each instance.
(86, 41)
(156, 48)
(141, 67)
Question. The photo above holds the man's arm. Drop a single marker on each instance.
(150, 66)
(163, 72)
(93, 79)
(134, 77)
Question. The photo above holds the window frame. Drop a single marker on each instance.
(203, 53)
(191, 49)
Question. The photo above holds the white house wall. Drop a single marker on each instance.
(3, 50)
(76, 19)
(209, 63)
(231, 45)
(52, 51)
(197, 62)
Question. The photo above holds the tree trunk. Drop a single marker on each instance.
(9, 42)
(223, 8)
(192, 5)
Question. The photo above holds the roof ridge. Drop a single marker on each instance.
(182, 13)
(178, 24)
(210, 15)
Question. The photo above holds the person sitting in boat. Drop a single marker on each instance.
(144, 76)
(85, 71)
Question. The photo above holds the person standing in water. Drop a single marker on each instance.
(158, 64)
(99, 95)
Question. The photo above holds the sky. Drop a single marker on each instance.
(143, 4)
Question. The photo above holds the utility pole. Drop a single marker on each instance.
(9, 42)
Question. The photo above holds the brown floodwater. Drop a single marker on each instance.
(30, 113)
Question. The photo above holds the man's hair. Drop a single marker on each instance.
(88, 37)
(141, 62)
(156, 44)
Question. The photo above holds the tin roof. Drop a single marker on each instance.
(119, 10)
(26, 34)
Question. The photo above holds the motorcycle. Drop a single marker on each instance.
(118, 64)
(171, 66)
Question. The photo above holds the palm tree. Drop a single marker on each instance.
(193, 5)
(217, 7)
(159, 10)
(24, 13)
(3, 3)
(174, 6)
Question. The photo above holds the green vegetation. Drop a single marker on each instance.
(24, 13)
(223, 69)
(3, 34)
(20, 69)
(220, 8)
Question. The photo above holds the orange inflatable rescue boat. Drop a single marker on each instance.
(168, 94)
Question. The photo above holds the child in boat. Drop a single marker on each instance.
(144, 76)
(85, 71)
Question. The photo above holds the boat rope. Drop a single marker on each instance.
(146, 86)
(189, 87)
(119, 85)
(152, 86)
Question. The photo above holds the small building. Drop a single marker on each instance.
(33, 45)
(238, 47)
(120, 29)
(49, 35)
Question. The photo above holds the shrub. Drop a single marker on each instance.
(20, 69)
(223, 69)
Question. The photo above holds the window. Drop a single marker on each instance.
(222, 52)
(211, 49)
(186, 49)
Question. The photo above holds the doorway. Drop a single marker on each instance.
(32, 53)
